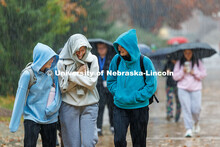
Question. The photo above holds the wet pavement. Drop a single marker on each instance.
(160, 132)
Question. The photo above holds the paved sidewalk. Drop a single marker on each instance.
(160, 132)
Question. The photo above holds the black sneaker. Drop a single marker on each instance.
(177, 119)
(100, 132)
(169, 118)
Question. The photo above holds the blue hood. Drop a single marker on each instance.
(43, 53)
(128, 41)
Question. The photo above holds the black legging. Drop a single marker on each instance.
(105, 99)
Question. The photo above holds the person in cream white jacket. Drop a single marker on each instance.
(78, 75)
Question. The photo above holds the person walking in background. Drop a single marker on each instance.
(58, 122)
(189, 72)
(79, 109)
(131, 93)
(171, 91)
(105, 96)
(38, 101)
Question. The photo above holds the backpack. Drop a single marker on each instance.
(33, 78)
(151, 100)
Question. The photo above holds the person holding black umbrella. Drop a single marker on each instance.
(171, 91)
(105, 96)
(171, 85)
(189, 73)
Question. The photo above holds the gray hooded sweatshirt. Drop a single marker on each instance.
(78, 89)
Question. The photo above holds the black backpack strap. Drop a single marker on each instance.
(118, 61)
(154, 96)
(142, 67)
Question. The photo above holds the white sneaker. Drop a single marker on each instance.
(112, 130)
(188, 133)
(196, 128)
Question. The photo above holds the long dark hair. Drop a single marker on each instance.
(193, 59)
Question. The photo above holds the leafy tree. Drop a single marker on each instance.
(22, 25)
(89, 18)
(152, 14)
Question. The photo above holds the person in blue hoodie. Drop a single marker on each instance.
(39, 117)
(131, 93)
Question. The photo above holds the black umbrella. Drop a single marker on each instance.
(200, 50)
(163, 52)
(95, 41)
(144, 49)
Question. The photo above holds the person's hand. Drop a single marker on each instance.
(185, 69)
(168, 71)
(192, 72)
(82, 69)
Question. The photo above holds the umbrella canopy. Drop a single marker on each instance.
(159, 57)
(200, 50)
(144, 49)
(163, 52)
(177, 40)
(95, 41)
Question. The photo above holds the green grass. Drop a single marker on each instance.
(7, 102)
(4, 119)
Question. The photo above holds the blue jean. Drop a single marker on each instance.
(32, 130)
(138, 121)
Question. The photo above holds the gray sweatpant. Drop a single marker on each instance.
(191, 106)
(78, 125)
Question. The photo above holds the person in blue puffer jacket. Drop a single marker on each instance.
(39, 117)
(131, 93)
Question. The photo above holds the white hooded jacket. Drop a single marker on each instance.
(77, 89)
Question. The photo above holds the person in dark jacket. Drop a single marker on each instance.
(106, 97)
(171, 91)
